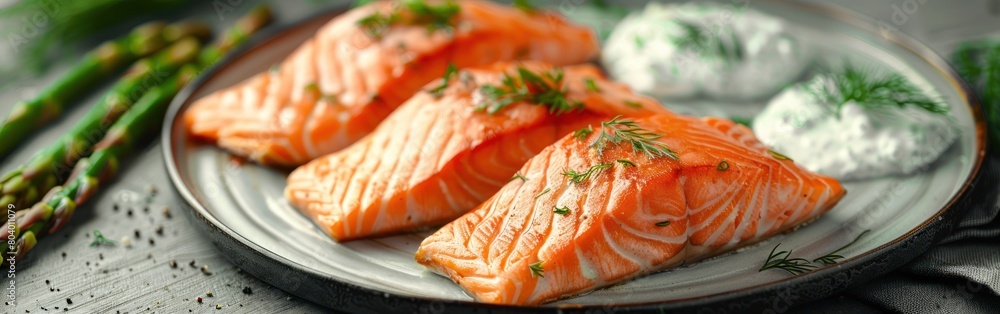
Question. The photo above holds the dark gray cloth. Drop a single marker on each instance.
(959, 275)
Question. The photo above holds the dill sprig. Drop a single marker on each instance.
(618, 131)
(412, 12)
(872, 91)
(537, 270)
(583, 133)
(783, 260)
(525, 5)
(518, 175)
(591, 85)
(561, 210)
(539, 88)
(699, 39)
(579, 177)
(663, 223)
(795, 266)
(832, 257)
(448, 74)
(777, 155)
(99, 239)
(626, 163)
(543, 192)
(978, 62)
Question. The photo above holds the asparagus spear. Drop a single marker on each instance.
(96, 66)
(134, 126)
(50, 167)
(139, 122)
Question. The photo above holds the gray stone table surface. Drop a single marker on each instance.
(63, 273)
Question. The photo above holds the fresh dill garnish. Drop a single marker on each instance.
(782, 260)
(592, 85)
(626, 163)
(543, 192)
(698, 39)
(525, 5)
(978, 62)
(312, 87)
(663, 223)
(871, 91)
(99, 239)
(579, 177)
(777, 155)
(561, 210)
(748, 122)
(539, 88)
(582, 134)
(518, 175)
(640, 42)
(537, 270)
(723, 166)
(412, 12)
(618, 131)
(832, 257)
(633, 104)
(448, 73)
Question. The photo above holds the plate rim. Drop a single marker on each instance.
(929, 231)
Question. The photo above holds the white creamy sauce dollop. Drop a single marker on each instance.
(747, 54)
(860, 143)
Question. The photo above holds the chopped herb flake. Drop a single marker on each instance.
(592, 85)
(518, 176)
(537, 270)
(579, 177)
(723, 166)
(561, 210)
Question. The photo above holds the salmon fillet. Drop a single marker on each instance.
(549, 237)
(339, 85)
(435, 158)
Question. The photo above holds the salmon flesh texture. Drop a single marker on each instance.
(340, 84)
(724, 191)
(436, 158)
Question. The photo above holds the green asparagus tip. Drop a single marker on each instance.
(185, 49)
(14, 185)
(7, 200)
(182, 29)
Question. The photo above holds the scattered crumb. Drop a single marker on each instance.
(218, 307)
(126, 241)
(137, 234)
(159, 230)
(247, 290)
(198, 299)
(69, 301)
(166, 212)
(151, 242)
(151, 189)
(209, 293)
(192, 264)
(204, 270)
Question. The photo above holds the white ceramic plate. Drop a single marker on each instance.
(243, 209)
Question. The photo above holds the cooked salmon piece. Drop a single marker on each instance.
(568, 230)
(339, 85)
(436, 158)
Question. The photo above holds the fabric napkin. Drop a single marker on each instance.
(959, 275)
